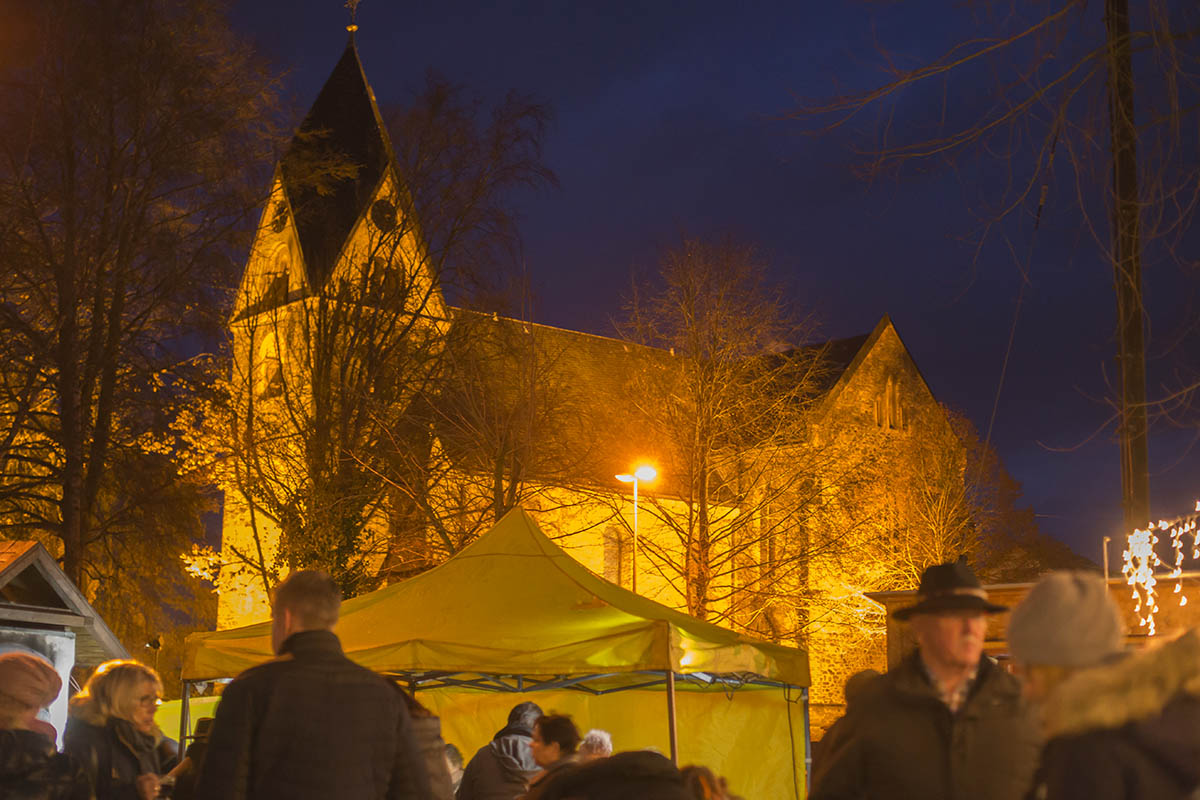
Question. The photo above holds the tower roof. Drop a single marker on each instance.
(343, 129)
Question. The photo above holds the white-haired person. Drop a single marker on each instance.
(1118, 726)
(595, 744)
(111, 731)
(30, 767)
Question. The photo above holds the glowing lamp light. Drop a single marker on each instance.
(641, 474)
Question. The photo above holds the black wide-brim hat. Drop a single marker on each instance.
(949, 587)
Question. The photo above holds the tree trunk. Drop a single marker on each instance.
(1127, 269)
(71, 428)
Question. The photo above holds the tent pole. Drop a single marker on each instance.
(671, 717)
(787, 702)
(183, 716)
(807, 743)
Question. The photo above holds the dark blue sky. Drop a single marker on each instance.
(668, 120)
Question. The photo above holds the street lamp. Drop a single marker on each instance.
(643, 474)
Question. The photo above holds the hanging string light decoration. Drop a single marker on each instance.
(1141, 560)
(1138, 568)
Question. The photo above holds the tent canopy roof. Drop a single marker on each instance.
(513, 603)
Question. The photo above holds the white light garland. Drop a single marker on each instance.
(1141, 560)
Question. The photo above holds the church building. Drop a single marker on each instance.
(341, 328)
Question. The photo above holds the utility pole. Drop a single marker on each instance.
(1127, 270)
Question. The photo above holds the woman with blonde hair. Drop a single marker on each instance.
(30, 767)
(111, 731)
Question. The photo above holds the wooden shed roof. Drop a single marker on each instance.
(36, 593)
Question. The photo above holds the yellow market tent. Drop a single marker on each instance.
(513, 613)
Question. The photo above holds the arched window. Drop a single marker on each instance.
(889, 412)
(275, 279)
(268, 371)
(618, 555)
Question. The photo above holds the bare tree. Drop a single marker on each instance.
(508, 427)
(1048, 91)
(120, 214)
(727, 404)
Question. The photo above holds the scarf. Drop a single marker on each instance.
(144, 746)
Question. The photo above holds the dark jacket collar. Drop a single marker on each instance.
(910, 677)
(308, 644)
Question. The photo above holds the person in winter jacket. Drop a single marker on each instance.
(553, 744)
(111, 731)
(30, 767)
(854, 688)
(455, 760)
(427, 732)
(1118, 727)
(947, 723)
(502, 769)
(188, 769)
(638, 774)
(310, 724)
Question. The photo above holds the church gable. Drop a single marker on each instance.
(275, 269)
(383, 256)
(882, 388)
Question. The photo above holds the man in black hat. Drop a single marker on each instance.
(947, 723)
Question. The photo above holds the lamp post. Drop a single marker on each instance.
(642, 474)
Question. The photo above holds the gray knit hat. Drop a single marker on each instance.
(1067, 620)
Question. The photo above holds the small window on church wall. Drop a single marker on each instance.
(384, 280)
(268, 371)
(275, 279)
(889, 411)
(618, 555)
(280, 217)
(897, 410)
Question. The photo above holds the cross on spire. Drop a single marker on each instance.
(353, 6)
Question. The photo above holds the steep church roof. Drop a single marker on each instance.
(343, 127)
(592, 380)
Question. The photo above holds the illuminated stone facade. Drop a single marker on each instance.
(875, 409)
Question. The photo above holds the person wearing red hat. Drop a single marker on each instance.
(947, 723)
(29, 765)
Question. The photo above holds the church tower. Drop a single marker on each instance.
(336, 233)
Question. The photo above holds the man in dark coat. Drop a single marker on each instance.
(502, 769)
(945, 724)
(310, 723)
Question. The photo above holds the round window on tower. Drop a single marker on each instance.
(383, 214)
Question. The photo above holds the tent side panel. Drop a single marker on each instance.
(745, 738)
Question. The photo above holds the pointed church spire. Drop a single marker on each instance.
(334, 164)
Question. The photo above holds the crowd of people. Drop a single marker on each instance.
(307, 724)
(1081, 719)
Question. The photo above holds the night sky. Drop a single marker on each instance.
(669, 119)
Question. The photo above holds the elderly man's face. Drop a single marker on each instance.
(951, 638)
